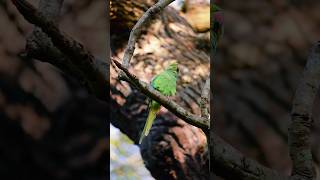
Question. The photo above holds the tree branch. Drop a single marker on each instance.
(39, 45)
(51, 9)
(230, 163)
(135, 33)
(299, 130)
(136, 30)
(204, 101)
(179, 111)
(94, 72)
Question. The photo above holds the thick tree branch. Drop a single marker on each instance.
(51, 9)
(299, 131)
(230, 163)
(39, 45)
(94, 72)
(204, 101)
(179, 111)
(136, 30)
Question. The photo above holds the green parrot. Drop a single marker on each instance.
(165, 83)
(216, 25)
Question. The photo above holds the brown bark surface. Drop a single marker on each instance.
(257, 70)
(261, 56)
(174, 149)
(50, 128)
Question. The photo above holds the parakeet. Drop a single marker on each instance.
(165, 83)
(216, 25)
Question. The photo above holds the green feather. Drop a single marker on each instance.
(165, 83)
(153, 110)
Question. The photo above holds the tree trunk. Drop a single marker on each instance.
(173, 149)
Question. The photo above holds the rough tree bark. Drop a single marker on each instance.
(174, 149)
(172, 141)
(260, 85)
(46, 131)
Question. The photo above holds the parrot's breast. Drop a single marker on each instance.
(165, 83)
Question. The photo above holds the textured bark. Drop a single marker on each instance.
(257, 69)
(47, 132)
(242, 167)
(93, 72)
(37, 143)
(301, 122)
(197, 14)
(123, 16)
(174, 149)
(227, 162)
(172, 141)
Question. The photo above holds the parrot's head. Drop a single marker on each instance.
(173, 67)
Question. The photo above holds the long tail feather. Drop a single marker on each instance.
(151, 116)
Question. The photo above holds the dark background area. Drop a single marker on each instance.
(50, 128)
(259, 62)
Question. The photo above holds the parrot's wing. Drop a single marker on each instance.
(165, 83)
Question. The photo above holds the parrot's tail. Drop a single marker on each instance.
(152, 115)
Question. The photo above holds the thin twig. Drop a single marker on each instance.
(136, 30)
(144, 87)
(301, 122)
(179, 111)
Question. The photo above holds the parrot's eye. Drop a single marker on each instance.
(177, 69)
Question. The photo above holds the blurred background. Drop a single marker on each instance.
(259, 62)
(50, 128)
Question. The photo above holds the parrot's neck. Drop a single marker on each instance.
(174, 73)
